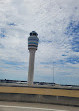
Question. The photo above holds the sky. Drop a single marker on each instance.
(57, 25)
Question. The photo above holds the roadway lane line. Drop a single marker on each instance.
(5, 106)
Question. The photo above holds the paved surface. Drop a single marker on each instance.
(22, 106)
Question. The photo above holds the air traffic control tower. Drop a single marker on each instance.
(32, 47)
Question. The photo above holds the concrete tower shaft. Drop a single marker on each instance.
(32, 47)
(31, 66)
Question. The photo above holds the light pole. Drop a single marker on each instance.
(53, 72)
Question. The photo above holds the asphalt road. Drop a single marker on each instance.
(22, 106)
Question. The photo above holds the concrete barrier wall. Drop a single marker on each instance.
(42, 95)
(39, 99)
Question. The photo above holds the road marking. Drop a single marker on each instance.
(5, 106)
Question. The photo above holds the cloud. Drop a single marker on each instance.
(73, 32)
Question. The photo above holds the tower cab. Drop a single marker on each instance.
(33, 40)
